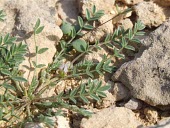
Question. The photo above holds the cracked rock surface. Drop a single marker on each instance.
(148, 75)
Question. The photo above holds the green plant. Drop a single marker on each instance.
(18, 98)
(2, 15)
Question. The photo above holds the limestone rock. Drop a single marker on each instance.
(107, 101)
(126, 23)
(162, 2)
(150, 14)
(148, 75)
(134, 104)
(67, 10)
(130, 2)
(9, 23)
(120, 92)
(22, 23)
(113, 117)
(164, 123)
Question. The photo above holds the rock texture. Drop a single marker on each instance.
(120, 92)
(134, 104)
(148, 75)
(23, 15)
(150, 14)
(67, 10)
(165, 123)
(112, 117)
(163, 2)
(130, 2)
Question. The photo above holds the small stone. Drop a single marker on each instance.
(126, 23)
(120, 92)
(153, 16)
(151, 115)
(112, 117)
(134, 104)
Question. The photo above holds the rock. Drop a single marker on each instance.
(148, 75)
(126, 23)
(120, 92)
(162, 2)
(67, 10)
(9, 23)
(33, 125)
(151, 115)
(165, 123)
(153, 15)
(22, 26)
(106, 102)
(112, 117)
(62, 122)
(130, 2)
(121, 9)
(134, 104)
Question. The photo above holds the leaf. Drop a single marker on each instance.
(20, 79)
(72, 99)
(34, 64)
(130, 47)
(80, 20)
(8, 86)
(66, 28)
(5, 72)
(82, 89)
(94, 9)
(42, 50)
(6, 38)
(84, 99)
(73, 92)
(136, 40)
(63, 44)
(73, 32)
(104, 88)
(93, 96)
(37, 24)
(102, 94)
(87, 14)
(79, 45)
(40, 65)
(1, 40)
(140, 33)
(89, 27)
(39, 30)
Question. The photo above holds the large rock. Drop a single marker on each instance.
(22, 18)
(148, 75)
(163, 2)
(150, 14)
(113, 117)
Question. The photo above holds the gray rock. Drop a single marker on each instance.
(148, 75)
(120, 91)
(134, 104)
(113, 117)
